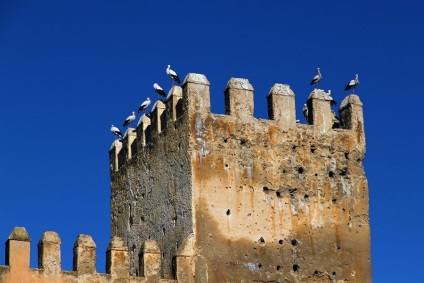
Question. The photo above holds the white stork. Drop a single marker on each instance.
(129, 120)
(352, 84)
(144, 105)
(317, 78)
(171, 73)
(305, 112)
(116, 131)
(332, 102)
(159, 90)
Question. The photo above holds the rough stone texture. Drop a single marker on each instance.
(151, 196)
(281, 106)
(260, 200)
(49, 253)
(49, 271)
(84, 255)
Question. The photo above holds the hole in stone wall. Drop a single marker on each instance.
(316, 174)
(294, 242)
(163, 230)
(295, 267)
(300, 170)
(292, 192)
(261, 240)
(279, 267)
(313, 148)
(228, 212)
(243, 141)
(265, 189)
(331, 174)
(306, 197)
(347, 155)
(316, 272)
(343, 172)
(174, 267)
(163, 255)
(294, 147)
(334, 200)
(284, 171)
(334, 273)
(226, 165)
(278, 193)
(142, 218)
(280, 242)
(225, 140)
(259, 265)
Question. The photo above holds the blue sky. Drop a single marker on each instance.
(70, 69)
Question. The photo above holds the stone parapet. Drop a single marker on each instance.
(17, 268)
(194, 97)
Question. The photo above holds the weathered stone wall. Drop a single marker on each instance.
(49, 269)
(268, 200)
(151, 193)
(274, 206)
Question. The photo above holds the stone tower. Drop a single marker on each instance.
(232, 198)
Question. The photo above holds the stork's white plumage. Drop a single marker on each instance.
(144, 105)
(353, 83)
(159, 90)
(332, 102)
(305, 112)
(173, 75)
(317, 78)
(129, 119)
(116, 131)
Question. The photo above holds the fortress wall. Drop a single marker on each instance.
(84, 262)
(265, 199)
(279, 201)
(150, 192)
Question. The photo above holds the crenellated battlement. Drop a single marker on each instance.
(265, 200)
(194, 97)
(84, 261)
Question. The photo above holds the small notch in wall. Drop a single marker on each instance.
(294, 242)
(313, 148)
(225, 140)
(343, 172)
(295, 267)
(261, 240)
(265, 189)
(243, 141)
(280, 242)
(228, 212)
(346, 155)
(278, 193)
(279, 267)
(331, 174)
(300, 170)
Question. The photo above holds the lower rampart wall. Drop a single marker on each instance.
(49, 270)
